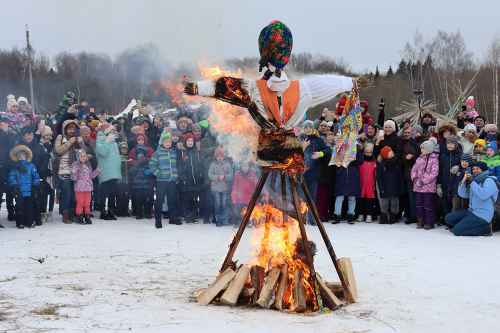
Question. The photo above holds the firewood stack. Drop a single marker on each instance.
(279, 289)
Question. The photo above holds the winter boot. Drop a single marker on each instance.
(336, 219)
(175, 221)
(420, 223)
(361, 218)
(111, 215)
(429, 226)
(158, 223)
(383, 219)
(392, 218)
(87, 219)
(368, 219)
(66, 217)
(351, 219)
(19, 226)
(79, 219)
(104, 215)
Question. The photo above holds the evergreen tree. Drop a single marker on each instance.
(402, 68)
(390, 72)
(377, 74)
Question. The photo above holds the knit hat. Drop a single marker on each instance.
(140, 135)
(481, 165)
(80, 152)
(219, 152)
(27, 130)
(467, 158)
(14, 152)
(165, 135)
(384, 152)
(428, 146)
(470, 127)
(480, 142)
(490, 145)
(188, 136)
(308, 124)
(390, 123)
(275, 46)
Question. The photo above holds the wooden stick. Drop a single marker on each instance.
(267, 292)
(244, 222)
(327, 295)
(303, 234)
(283, 284)
(326, 239)
(230, 296)
(220, 284)
(299, 292)
(351, 293)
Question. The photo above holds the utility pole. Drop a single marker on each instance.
(30, 73)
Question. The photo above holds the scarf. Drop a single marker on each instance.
(480, 178)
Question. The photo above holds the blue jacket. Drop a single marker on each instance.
(163, 164)
(108, 159)
(23, 180)
(140, 176)
(482, 197)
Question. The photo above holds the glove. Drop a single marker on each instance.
(454, 169)
(439, 191)
(203, 123)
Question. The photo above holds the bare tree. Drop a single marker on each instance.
(494, 61)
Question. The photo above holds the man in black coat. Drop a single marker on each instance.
(7, 140)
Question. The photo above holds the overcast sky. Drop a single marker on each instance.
(364, 32)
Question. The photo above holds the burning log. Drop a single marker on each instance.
(230, 296)
(283, 284)
(327, 294)
(336, 288)
(267, 292)
(257, 277)
(299, 292)
(345, 265)
(219, 285)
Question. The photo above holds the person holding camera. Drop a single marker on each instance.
(482, 191)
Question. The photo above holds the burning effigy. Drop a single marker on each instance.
(281, 273)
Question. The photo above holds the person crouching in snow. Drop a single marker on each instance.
(163, 165)
(424, 175)
(482, 191)
(82, 175)
(220, 174)
(24, 182)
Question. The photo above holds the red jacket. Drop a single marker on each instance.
(367, 179)
(243, 187)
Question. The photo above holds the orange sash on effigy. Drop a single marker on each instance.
(290, 100)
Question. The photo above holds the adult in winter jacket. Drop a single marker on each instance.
(192, 180)
(109, 162)
(410, 151)
(8, 140)
(220, 174)
(482, 191)
(141, 184)
(424, 175)
(24, 182)
(164, 166)
(65, 147)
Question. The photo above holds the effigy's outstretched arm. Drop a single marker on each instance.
(228, 89)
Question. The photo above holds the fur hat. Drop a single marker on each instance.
(384, 152)
(14, 152)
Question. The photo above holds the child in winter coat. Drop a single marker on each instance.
(141, 183)
(449, 161)
(367, 174)
(389, 184)
(347, 185)
(245, 180)
(464, 167)
(123, 189)
(492, 160)
(163, 165)
(24, 182)
(82, 175)
(220, 174)
(424, 175)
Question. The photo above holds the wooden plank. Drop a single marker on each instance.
(345, 266)
(283, 284)
(299, 292)
(267, 292)
(213, 290)
(230, 296)
(329, 298)
(257, 277)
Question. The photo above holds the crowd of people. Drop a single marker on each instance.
(169, 165)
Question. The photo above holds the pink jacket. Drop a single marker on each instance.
(367, 179)
(243, 187)
(82, 175)
(424, 173)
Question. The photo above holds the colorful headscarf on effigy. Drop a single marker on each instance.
(350, 124)
(275, 46)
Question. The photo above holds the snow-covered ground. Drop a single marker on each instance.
(126, 276)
